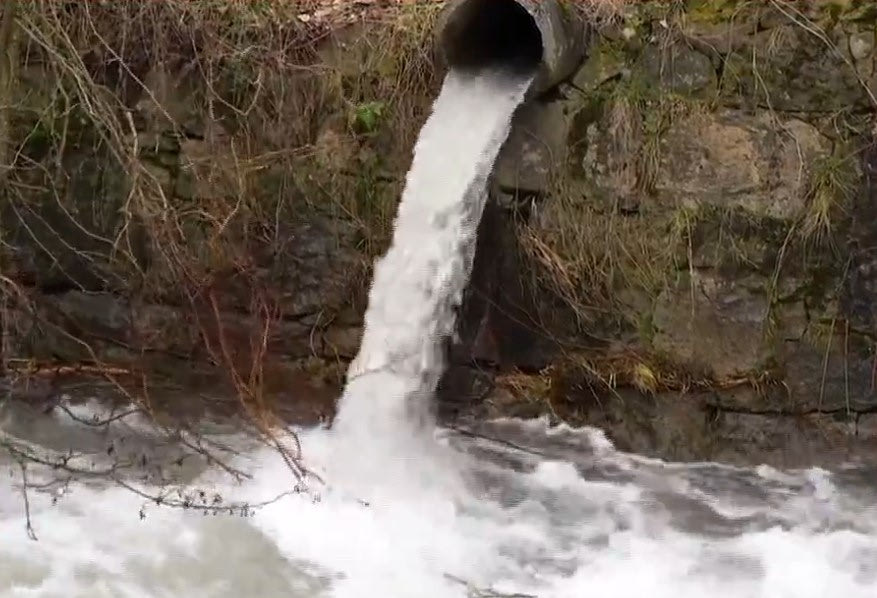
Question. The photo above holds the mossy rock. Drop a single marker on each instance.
(733, 241)
(606, 61)
(679, 70)
(714, 323)
(734, 159)
(788, 68)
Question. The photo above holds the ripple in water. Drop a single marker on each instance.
(526, 524)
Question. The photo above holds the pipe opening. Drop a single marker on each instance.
(492, 34)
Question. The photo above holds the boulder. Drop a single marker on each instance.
(713, 324)
(678, 69)
(732, 159)
(789, 441)
(795, 70)
(534, 148)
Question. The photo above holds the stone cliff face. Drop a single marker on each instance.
(679, 247)
(692, 217)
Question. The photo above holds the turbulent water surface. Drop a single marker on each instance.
(549, 512)
(395, 506)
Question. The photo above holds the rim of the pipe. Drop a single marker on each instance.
(480, 34)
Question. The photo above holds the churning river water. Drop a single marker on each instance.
(97, 504)
(531, 510)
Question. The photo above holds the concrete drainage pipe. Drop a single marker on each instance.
(538, 35)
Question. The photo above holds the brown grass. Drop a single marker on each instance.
(229, 98)
(600, 261)
(602, 9)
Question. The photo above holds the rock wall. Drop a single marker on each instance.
(678, 247)
(203, 210)
(692, 213)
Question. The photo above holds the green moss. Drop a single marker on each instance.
(857, 11)
(717, 11)
(365, 118)
(606, 61)
(361, 193)
(62, 123)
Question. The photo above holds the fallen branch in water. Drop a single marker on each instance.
(123, 473)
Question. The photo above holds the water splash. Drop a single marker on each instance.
(383, 424)
(561, 516)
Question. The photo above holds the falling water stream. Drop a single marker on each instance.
(401, 508)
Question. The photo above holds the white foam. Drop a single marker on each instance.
(565, 536)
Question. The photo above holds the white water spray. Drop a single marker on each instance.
(383, 419)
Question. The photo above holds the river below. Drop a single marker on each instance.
(513, 508)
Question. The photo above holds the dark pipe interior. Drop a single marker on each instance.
(492, 34)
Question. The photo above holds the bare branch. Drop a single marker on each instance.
(24, 486)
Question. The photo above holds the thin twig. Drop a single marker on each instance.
(28, 524)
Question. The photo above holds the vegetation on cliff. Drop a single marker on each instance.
(195, 192)
(167, 154)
